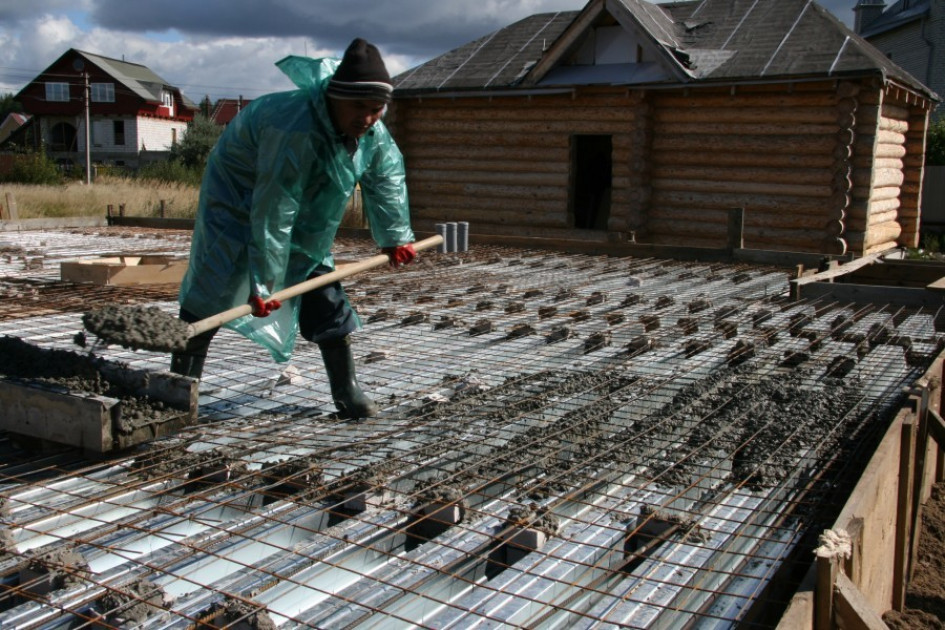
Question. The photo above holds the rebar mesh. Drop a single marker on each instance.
(564, 441)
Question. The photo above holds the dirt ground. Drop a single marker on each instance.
(925, 597)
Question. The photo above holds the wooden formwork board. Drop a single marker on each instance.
(98, 424)
(880, 517)
(125, 270)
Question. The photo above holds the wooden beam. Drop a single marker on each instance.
(823, 595)
(904, 513)
(903, 296)
(839, 270)
(851, 609)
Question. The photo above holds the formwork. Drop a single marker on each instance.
(565, 440)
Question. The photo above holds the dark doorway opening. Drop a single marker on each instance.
(592, 166)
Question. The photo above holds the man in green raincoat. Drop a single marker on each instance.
(273, 195)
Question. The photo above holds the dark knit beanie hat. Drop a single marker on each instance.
(361, 75)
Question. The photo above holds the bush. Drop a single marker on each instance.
(171, 171)
(193, 149)
(935, 144)
(34, 168)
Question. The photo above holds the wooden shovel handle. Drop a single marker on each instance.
(215, 321)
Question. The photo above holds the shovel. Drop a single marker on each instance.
(151, 329)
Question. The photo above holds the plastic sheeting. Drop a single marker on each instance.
(273, 195)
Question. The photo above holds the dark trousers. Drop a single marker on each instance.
(324, 315)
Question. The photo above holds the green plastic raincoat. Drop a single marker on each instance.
(273, 195)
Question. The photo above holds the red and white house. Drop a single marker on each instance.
(135, 116)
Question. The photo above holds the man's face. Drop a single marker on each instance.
(354, 118)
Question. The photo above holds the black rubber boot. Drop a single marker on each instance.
(187, 364)
(350, 401)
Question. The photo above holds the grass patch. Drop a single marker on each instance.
(141, 198)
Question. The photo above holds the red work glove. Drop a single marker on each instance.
(400, 255)
(262, 308)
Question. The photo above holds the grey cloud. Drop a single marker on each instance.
(408, 27)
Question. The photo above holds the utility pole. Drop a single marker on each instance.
(88, 134)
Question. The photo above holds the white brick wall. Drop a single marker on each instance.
(141, 134)
(155, 134)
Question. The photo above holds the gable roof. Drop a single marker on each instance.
(139, 79)
(11, 123)
(696, 41)
(896, 15)
(226, 109)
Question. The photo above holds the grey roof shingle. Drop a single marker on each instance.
(138, 78)
(715, 40)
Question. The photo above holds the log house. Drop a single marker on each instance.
(628, 122)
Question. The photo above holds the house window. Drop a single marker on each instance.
(62, 137)
(118, 128)
(103, 92)
(58, 92)
(167, 98)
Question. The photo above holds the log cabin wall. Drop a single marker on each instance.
(781, 152)
(887, 178)
(503, 163)
(825, 167)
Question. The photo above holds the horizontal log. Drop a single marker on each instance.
(742, 188)
(745, 99)
(535, 141)
(753, 220)
(449, 210)
(895, 111)
(862, 223)
(484, 190)
(885, 205)
(537, 167)
(711, 171)
(612, 97)
(747, 115)
(869, 163)
(890, 137)
(497, 177)
(617, 110)
(883, 233)
(497, 128)
(502, 153)
(894, 125)
(734, 159)
(761, 145)
(773, 127)
(867, 114)
(889, 151)
(878, 177)
(885, 192)
(751, 203)
(753, 238)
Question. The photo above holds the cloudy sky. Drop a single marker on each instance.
(227, 48)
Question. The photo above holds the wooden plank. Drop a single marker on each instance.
(904, 513)
(852, 609)
(937, 428)
(870, 516)
(823, 594)
(839, 270)
(938, 286)
(50, 413)
(12, 214)
(902, 296)
(127, 270)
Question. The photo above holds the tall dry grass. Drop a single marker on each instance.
(140, 198)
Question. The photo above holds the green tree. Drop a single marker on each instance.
(935, 143)
(194, 147)
(8, 105)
